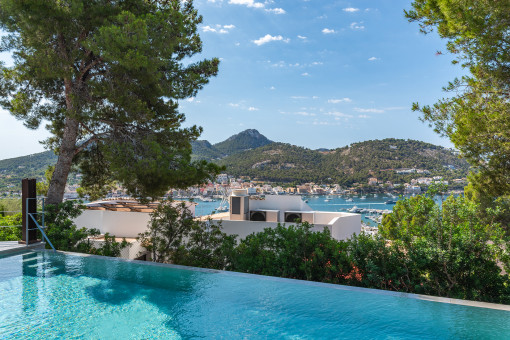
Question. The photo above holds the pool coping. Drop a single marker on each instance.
(430, 298)
(19, 247)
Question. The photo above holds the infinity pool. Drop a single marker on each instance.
(46, 295)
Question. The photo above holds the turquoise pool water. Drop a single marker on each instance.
(46, 295)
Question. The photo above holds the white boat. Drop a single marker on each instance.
(327, 200)
(363, 198)
(349, 200)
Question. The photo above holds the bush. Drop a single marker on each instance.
(293, 252)
(174, 236)
(66, 236)
(12, 233)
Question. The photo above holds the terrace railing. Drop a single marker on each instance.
(39, 225)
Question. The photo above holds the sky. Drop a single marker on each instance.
(313, 73)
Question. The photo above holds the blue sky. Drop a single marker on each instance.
(313, 73)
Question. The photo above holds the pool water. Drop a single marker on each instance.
(46, 295)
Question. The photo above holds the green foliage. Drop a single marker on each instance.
(174, 236)
(378, 264)
(107, 77)
(109, 247)
(293, 252)
(280, 162)
(476, 117)
(61, 230)
(66, 236)
(206, 246)
(449, 250)
(170, 223)
(13, 233)
(42, 187)
(10, 206)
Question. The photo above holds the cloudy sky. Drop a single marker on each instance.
(315, 73)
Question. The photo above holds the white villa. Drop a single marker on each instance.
(251, 214)
(247, 215)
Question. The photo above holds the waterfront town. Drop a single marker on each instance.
(225, 183)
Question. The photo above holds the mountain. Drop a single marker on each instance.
(355, 163)
(246, 140)
(249, 153)
(13, 170)
(202, 149)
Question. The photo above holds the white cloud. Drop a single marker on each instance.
(342, 100)
(248, 3)
(357, 109)
(373, 59)
(338, 115)
(298, 97)
(272, 88)
(328, 31)
(363, 116)
(301, 37)
(218, 29)
(318, 122)
(350, 9)
(315, 63)
(268, 38)
(233, 105)
(306, 74)
(251, 108)
(208, 29)
(358, 26)
(276, 10)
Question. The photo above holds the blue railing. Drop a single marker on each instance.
(41, 226)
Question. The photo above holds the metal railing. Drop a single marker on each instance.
(39, 227)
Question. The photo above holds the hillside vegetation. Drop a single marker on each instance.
(251, 154)
(245, 140)
(355, 163)
(13, 170)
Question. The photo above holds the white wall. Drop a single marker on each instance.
(118, 223)
(341, 227)
(245, 228)
(282, 203)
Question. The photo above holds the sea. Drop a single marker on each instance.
(328, 203)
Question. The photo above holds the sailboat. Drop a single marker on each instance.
(223, 207)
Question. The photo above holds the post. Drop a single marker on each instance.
(29, 206)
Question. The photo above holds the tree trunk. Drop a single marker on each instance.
(63, 166)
